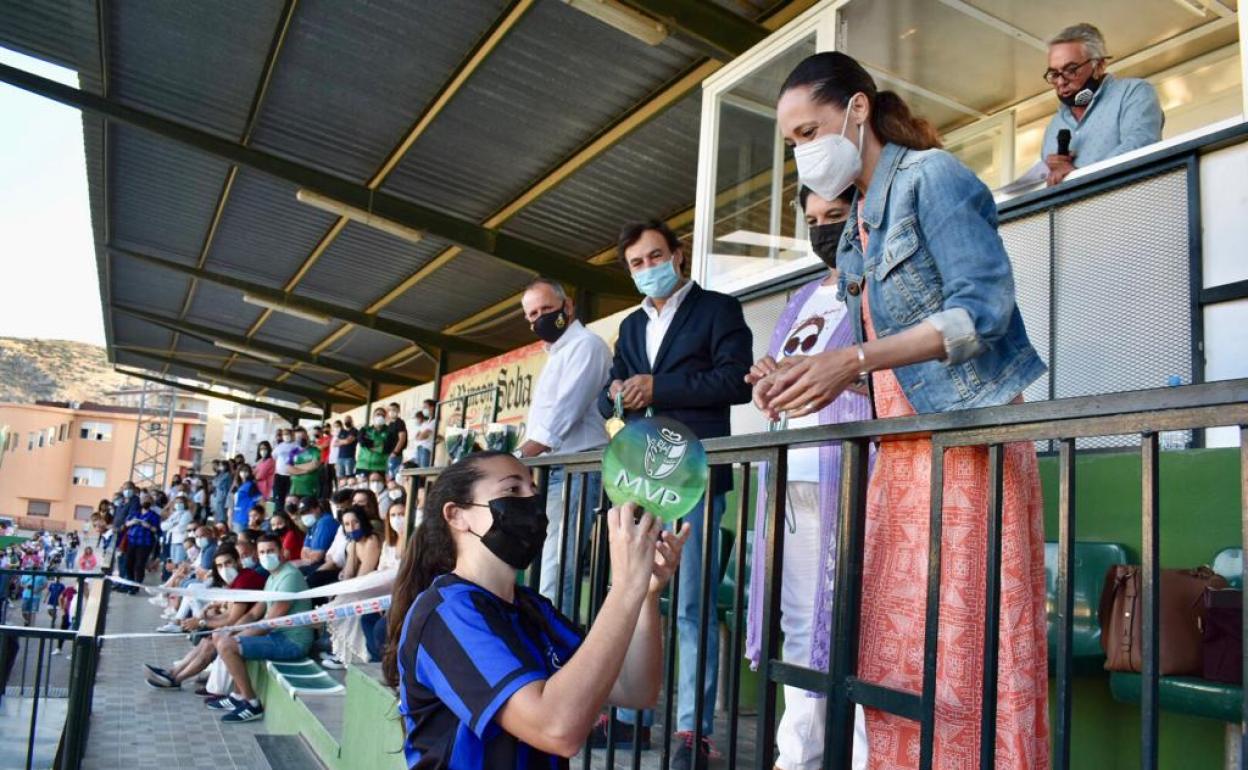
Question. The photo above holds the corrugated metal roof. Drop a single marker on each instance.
(163, 200)
(195, 63)
(137, 284)
(141, 334)
(292, 331)
(341, 105)
(223, 308)
(652, 173)
(463, 286)
(265, 234)
(62, 32)
(363, 263)
(365, 346)
(553, 83)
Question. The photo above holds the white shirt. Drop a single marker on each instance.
(820, 315)
(563, 415)
(661, 320)
(337, 552)
(281, 457)
(422, 443)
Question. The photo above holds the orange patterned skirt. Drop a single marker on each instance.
(894, 598)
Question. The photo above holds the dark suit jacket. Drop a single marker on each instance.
(699, 372)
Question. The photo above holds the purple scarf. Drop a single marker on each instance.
(848, 407)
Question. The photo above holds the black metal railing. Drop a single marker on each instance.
(17, 642)
(1143, 413)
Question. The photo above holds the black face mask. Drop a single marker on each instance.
(1083, 97)
(824, 239)
(519, 529)
(549, 327)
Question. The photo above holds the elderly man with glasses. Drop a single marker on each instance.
(1105, 116)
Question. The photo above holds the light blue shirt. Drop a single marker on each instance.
(1124, 115)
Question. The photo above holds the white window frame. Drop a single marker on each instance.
(821, 20)
(86, 476)
(95, 430)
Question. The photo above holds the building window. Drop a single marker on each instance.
(96, 431)
(43, 437)
(52, 435)
(64, 432)
(83, 512)
(38, 508)
(88, 477)
(30, 441)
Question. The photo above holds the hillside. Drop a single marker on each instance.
(56, 370)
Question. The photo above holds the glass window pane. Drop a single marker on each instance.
(757, 232)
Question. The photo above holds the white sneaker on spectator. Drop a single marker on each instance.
(55, 651)
(333, 662)
(170, 628)
(156, 600)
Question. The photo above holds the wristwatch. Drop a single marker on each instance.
(203, 623)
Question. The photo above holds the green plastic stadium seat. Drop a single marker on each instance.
(303, 677)
(1092, 561)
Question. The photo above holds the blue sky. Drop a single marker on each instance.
(47, 259)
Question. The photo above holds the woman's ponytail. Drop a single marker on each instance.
(430, 553)
(893, 122)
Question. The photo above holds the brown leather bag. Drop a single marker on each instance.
(1178, 617)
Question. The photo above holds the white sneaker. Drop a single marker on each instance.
(333, 663)
(55, 651)
(170, 628)
(156, 600)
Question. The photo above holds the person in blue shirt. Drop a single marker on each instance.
(490, 675)
(248, 495)
(142, 535)
(1106, 116)
(321, 527)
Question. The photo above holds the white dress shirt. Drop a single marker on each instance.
(563, 415)
(661, 320)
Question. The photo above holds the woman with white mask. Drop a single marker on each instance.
(929, 288)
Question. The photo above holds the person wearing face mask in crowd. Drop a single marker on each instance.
(370, 453)
(396, 440)
(814, 321)
(683, 354)
(345, 440)
(563, 417)
(243, 704)
(246, 496)
(228, 572)
(1105, 116)
(377, 484)
(142, 536)
(330, 457)
(282, 524)
(257, 517)
(321, 527)
(503, 677)
(285, 450)
(264, 470)
(175, 525)
(305, 466)
(336, 554)
(221, 482)
(422, 433)
(348, 640)
(930, 291)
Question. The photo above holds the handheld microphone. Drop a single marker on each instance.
(1063, 142)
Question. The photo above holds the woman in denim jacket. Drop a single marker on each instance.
(929, 285)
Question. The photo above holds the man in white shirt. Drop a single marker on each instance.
(563, 419)
(423, 431)
(282, 453)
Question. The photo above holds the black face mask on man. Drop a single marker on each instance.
(1083, 97)
(549, 327)
(824, 240)
(519, 529)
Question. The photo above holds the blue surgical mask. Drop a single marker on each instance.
(355, 534)
(657, 282)
(270, 561)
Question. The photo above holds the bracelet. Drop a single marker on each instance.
(862, 363)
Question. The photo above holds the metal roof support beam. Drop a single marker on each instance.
(423, 337)
(312, 394)
(291, 413)
(508, 248)
(209, 334)
(725, 34)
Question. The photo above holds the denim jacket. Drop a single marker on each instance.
(934, 255)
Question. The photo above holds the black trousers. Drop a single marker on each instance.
(281, 488)
(136, 562)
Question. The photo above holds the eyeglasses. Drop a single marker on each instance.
(1065, 73)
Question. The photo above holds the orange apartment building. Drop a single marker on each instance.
(58, 460)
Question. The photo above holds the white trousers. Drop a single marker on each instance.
(800, 733)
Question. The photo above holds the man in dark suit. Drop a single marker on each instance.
(683, 354)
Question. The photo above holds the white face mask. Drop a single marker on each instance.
(379, 421)
(396, 494)
(397, 523)
(308, 519)
(270, 561)
(228, 574)
(830, 164)
(377, 487)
